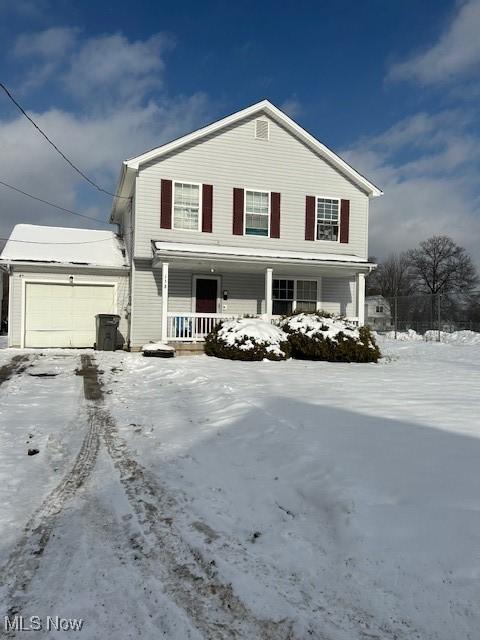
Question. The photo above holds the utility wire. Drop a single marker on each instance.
(50, 243)
(67, 160)
(51, 204)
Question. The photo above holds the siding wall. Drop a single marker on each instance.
(246, 295)
(339, 296)
(61, 274)
(234, 158)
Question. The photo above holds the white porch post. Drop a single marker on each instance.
(268, 292)
(164, 300)
(361, 299)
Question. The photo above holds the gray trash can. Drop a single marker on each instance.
(106, 334)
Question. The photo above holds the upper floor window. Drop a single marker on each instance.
(257, 213)
(379, 309)
(186, 206)
(328, 219)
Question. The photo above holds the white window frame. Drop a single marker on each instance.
(269, 194)
(200, 204)
(317, 198)
(295, 279)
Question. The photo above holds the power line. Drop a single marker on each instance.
(51, 204)
(56, 243)
(67, 160)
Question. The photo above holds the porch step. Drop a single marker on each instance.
(187, 348)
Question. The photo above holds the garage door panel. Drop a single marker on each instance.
(63, 315)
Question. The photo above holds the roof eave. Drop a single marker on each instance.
(264, 105)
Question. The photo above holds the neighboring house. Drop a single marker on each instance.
(250, 215)
(59, 280)
(378, 314)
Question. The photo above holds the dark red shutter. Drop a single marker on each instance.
(207, 206)
(344, 220)
(310, 218)
(166, 204)
(238, 199)
(274, 215)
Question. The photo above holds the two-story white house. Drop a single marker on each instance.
(250, 215)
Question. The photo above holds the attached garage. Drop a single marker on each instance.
(63, 314)
(60, 279)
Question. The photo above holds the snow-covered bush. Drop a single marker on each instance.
(247, 339)
(317, 336)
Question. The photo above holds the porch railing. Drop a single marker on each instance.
(192, 327)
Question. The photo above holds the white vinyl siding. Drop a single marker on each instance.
(257, 213)
(234, 157)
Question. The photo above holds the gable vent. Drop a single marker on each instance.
(262, 129)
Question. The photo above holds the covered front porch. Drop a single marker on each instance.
(199, 291)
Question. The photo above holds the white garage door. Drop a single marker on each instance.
(63, 315)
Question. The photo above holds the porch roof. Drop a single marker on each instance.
(164, 250)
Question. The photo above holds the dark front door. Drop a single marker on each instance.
(206, 295)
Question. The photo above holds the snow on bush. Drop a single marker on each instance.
(316, 336)
(247, 339)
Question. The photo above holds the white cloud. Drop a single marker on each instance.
(457, 51)
(432, 189)
(51, 43)
(292, 107)
(97, 139)
(112, 67)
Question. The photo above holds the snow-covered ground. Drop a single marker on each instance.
(320, 500)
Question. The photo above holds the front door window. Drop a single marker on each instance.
(206, 295)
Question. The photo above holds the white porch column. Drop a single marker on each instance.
(164, 300)
(360, 282)
(268, 292)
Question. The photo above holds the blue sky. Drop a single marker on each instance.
(392, 86)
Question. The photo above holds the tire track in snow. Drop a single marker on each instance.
(191, 581)
(17, 365)
(24, 561)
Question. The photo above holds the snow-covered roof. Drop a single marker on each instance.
(35, 243)
(183, 249)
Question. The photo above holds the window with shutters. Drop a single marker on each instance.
(328, 219)
(257, 213)
(186, 206)
(292, 294)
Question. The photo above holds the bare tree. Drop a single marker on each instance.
(439, 265)
(392, 277)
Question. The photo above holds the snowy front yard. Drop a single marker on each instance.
(247, 500)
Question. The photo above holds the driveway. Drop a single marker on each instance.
(200, 498)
